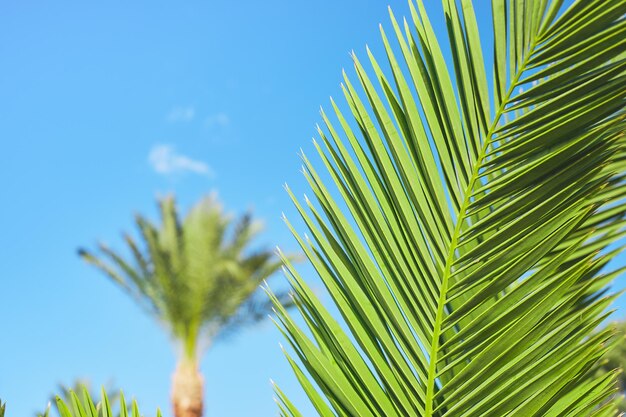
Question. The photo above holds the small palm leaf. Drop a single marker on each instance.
(84, 406)
(466, 239)
(80, 385)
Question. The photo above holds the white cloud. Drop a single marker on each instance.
(165, 160)
(181, 114)
(217, 120)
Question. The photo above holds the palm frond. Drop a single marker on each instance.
(466, 236)
(83, 405)
(80, 385)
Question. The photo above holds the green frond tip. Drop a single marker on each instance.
(467, 229)
(2, 408)
(83, 405)
(614, 362)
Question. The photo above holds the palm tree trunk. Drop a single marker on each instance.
(187, 390)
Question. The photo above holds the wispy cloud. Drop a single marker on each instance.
(165, 160)
(181, 114)
(217, 120)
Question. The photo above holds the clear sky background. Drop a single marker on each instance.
(103, 108)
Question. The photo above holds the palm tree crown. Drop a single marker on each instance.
(196, 275)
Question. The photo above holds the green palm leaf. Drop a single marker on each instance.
(74, 404)
(80, 385)
(466, 237)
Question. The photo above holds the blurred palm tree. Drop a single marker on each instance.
(198, 277)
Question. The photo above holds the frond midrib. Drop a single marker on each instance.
(437, 330)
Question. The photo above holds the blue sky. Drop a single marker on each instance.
(107, 106)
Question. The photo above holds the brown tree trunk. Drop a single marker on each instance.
(187, 390)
